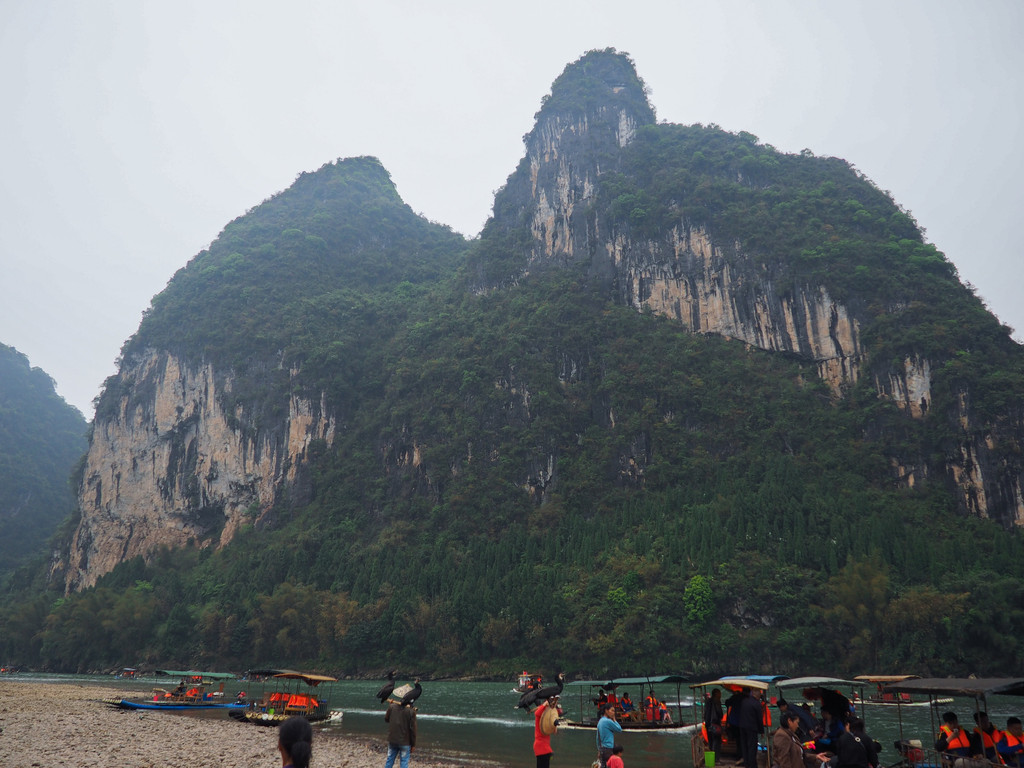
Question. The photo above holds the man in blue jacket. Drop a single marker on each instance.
(607, 727)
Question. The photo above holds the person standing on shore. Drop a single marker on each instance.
(607, 727)
(543, 729)
(295, 742)
(615, 761)
(401, 720)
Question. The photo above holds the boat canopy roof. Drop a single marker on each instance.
(819, 682)
(763, 678)
(734, 683)
(612, 682)
(194, 673)
(885, 678)
(952, 686)
(309, 679)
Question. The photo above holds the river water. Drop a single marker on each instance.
(477, 723)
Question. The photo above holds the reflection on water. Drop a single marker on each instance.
(477, 723)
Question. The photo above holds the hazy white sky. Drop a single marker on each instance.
(132, 131)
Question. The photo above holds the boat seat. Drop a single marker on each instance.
(297, 703)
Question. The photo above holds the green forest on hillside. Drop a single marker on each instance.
(757, 524)
(594, 489)
(41, 439)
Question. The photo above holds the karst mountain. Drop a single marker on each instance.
(683, 402)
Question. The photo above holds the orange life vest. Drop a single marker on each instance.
(954, 742)
(1011, 742)
(988, 743)
(1010, 739)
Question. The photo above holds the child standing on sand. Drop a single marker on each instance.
(615, 761)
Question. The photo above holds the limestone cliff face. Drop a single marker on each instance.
(710, 286)
(562, 182)
(171, 468)
(989, 486)
(709, 289)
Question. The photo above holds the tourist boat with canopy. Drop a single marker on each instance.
(288, 694)
(887, 698)
(528, 682)
(828, 692)
(702, 693)
(191, 693)
(592, 693)
(919, 751)
(836, 695)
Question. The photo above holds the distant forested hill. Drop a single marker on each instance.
(687, 403)
(41, 440)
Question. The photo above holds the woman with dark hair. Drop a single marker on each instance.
(295, 742)
(787, 751)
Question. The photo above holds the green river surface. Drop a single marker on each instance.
(477, 723)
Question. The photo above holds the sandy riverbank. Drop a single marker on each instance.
(68, 725)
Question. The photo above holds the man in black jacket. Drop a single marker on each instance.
(749, 721)
(854, 748)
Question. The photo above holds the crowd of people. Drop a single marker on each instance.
(983, 744)
(801, 739)
(837, 738)
(652, 709)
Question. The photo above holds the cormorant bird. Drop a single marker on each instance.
(387, 688)
(414, 694)
(537, 695)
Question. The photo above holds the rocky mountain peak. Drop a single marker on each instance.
(594, 109)
(598, 82)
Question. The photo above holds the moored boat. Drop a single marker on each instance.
(171, 705)
(191, 693)
(290, 693)
(727, 745)
(918, 752)
(645, 713)
(884, 697)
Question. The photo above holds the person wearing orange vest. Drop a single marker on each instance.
(766, 716)
(650, 707)
(954, 740)
(989, 736)
(1011, 745)
(626, 704)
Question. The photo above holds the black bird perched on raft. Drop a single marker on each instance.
(538, 695)
(414, 694)
(387, 688)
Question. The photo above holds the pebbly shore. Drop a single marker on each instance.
(67, 725)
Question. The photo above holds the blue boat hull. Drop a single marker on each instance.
(129, 704)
